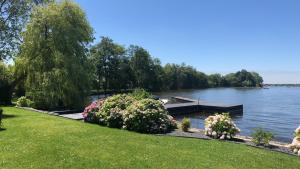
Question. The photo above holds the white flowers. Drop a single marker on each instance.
(295, 146)
(220, 126)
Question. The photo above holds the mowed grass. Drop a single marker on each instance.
(35, 140)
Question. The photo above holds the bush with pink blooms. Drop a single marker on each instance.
(89, 113)
(220, 126)
(125, 111)
(295, 146)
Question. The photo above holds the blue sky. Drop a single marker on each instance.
(212, 36)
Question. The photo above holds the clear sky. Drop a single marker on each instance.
(211, 35)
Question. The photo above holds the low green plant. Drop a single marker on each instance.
(24, 102)
(261, 137)
(185, 124)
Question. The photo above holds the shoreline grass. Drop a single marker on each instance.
(36, 140)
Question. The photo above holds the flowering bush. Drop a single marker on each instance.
(124, 111)
(295, 146)
(220, 126)
(89, 113)
(112, 110)
(147, 116)
(24, 102)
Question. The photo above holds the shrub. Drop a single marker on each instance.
(220, 126)
(261, 137)
(124, 111)
(1, 114)
(147, 116)
(295, 146)
(89, 113)
(185, 124)
(111, 112)
(24, 102)
(140, 94)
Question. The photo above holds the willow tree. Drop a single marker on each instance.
(54, 56)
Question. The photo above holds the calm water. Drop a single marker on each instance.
(276, 109)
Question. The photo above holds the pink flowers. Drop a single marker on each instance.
(89, 112)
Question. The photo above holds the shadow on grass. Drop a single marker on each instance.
(6, 116)
(238, 140)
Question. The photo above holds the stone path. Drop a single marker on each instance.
(74, 116)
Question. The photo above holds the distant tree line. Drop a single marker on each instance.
(117, 68)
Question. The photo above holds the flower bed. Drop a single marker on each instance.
(220, 126)
(295, 146)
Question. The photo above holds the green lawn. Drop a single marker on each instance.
(35, 140)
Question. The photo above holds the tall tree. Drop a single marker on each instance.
(13, 16)
(215, 80)
(146, 69)
(112, 68)
(54, 56)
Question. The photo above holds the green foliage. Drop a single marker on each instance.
(147, 71)
(261, 137)
(24, 102)
(185, 124)
(147, 116)
(139, 94)
(13, 17)
(112, 70)
(116, 68)
(184, 77)
(54, 56)
(216, 80)
(6, 79)
(244, 79)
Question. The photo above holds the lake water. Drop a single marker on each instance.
(276, 109)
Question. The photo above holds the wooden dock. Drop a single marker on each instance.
(187, 105)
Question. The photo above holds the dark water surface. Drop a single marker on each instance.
(276, 109)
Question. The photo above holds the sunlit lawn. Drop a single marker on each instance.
(35, 140)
